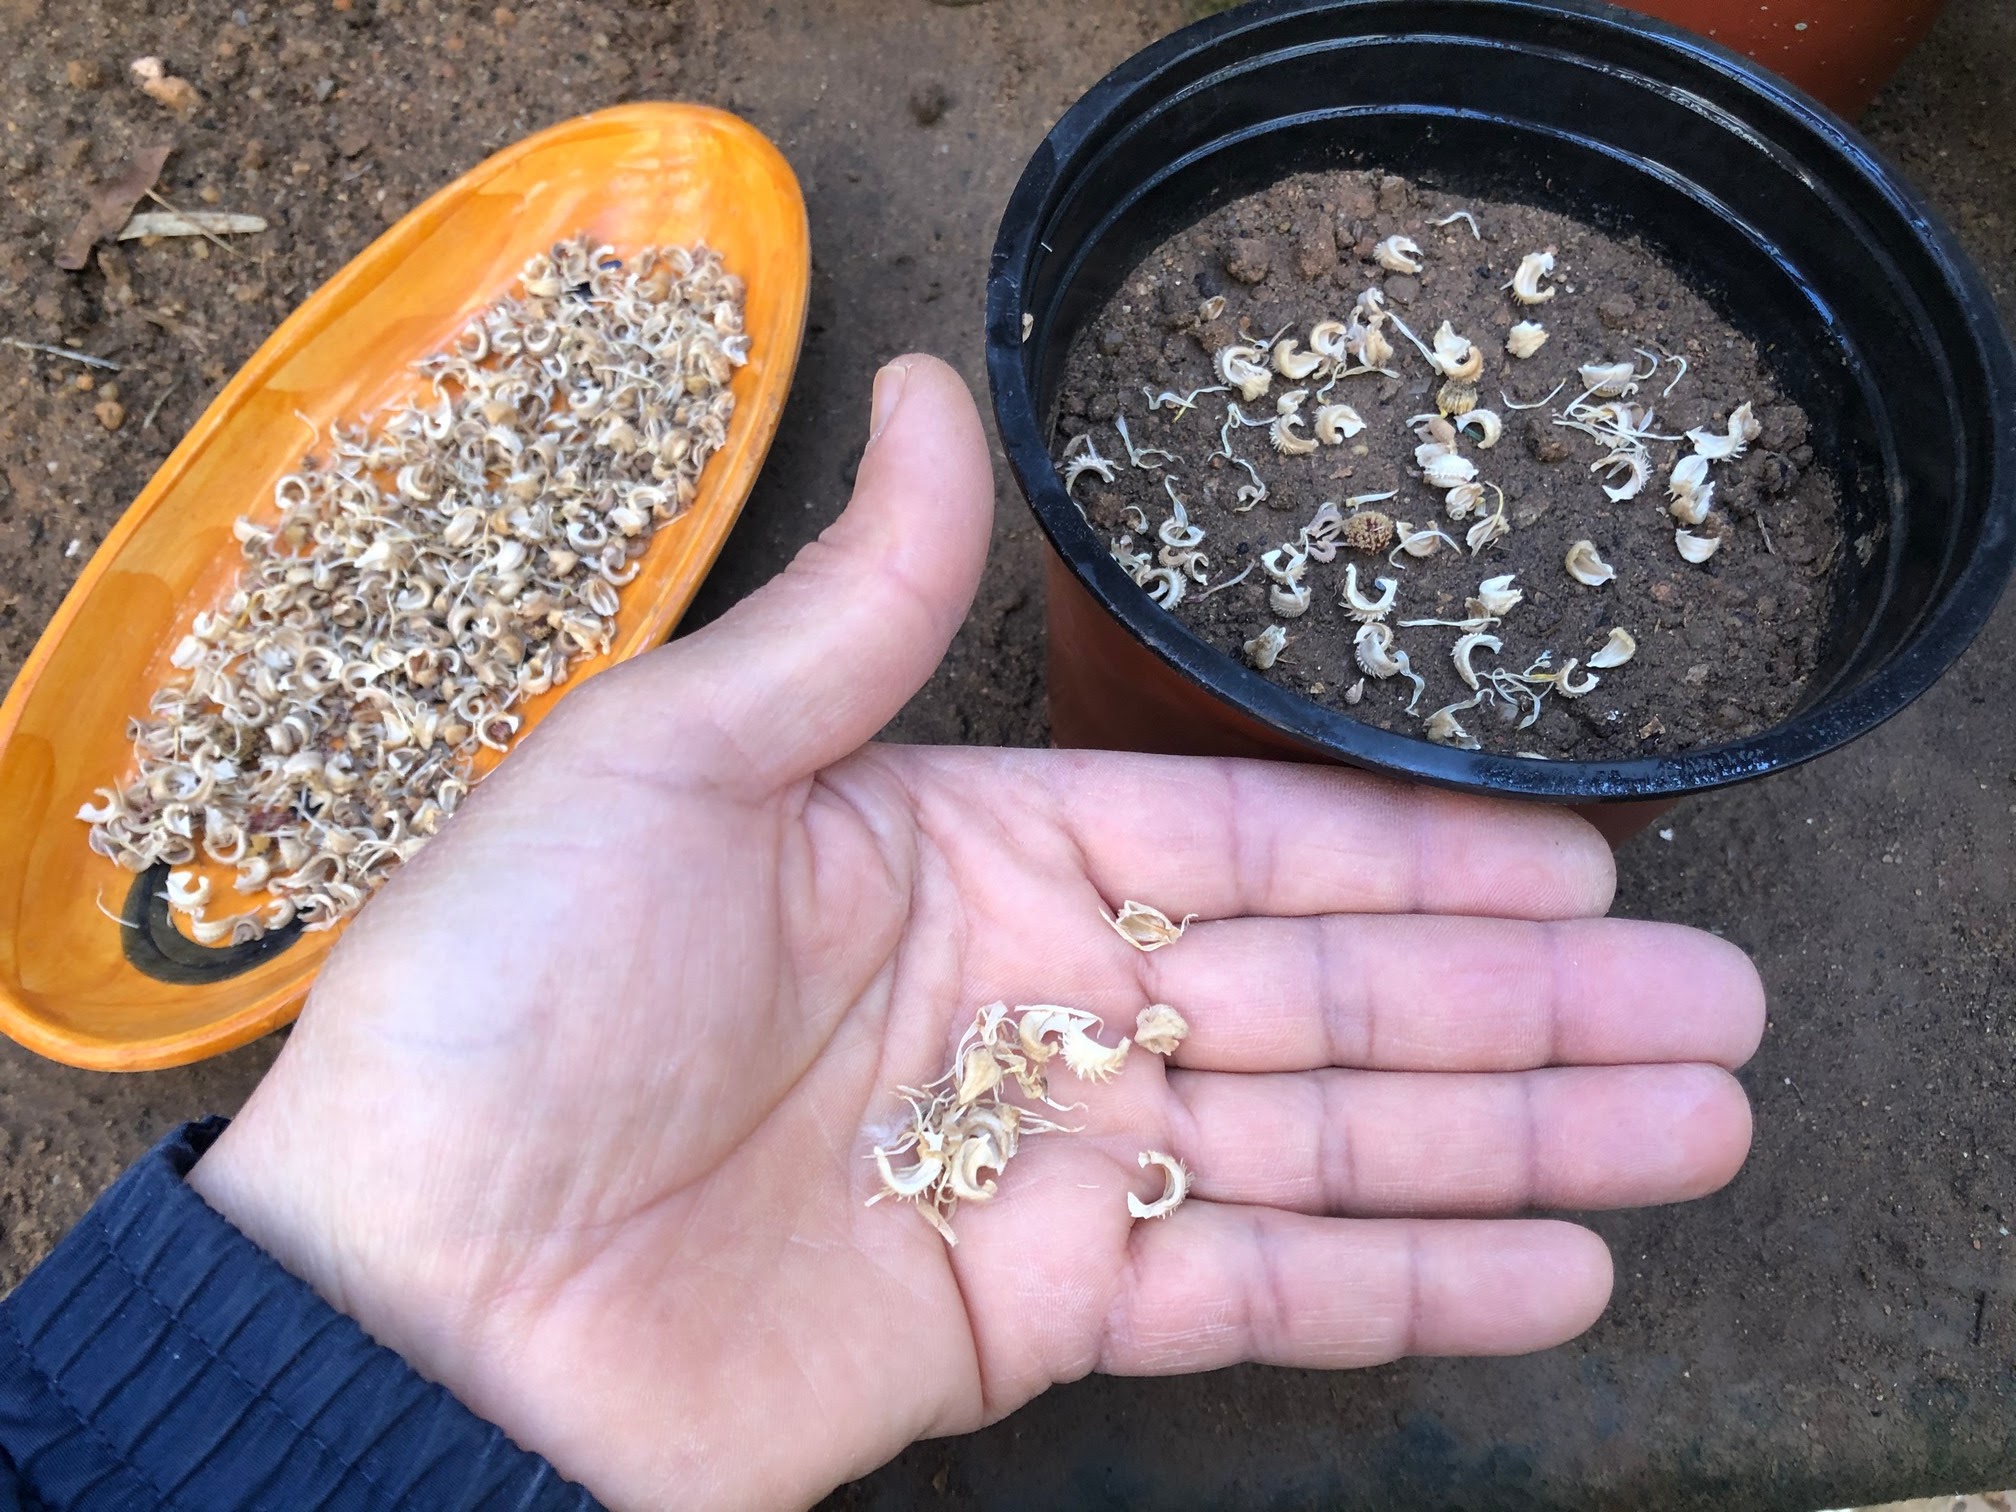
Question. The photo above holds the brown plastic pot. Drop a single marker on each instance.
(1839, 51)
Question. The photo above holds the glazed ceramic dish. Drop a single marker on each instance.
(92, 970)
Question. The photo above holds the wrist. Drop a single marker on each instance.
(304, 1199)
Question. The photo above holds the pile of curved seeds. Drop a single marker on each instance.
(962, 1129)
(427, 573)
(1167, 559)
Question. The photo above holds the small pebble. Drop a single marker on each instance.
(111, 413)
(1356, 202)
(929, 103)
(1616, 311)
(1246, 259)
(1316, 253)
(1545, 442)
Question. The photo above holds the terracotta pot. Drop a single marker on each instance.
(1839, 51)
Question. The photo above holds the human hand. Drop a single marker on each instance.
(576, 1116)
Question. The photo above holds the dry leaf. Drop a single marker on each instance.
(111, 205)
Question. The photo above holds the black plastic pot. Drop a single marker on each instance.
(1870, 313)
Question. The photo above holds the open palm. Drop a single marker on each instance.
(577, 1116)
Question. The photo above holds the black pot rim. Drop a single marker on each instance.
(1836, 719)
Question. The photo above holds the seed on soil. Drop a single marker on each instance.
(1444, 468)
(1608, 380)
(1525, 339)
(1082, 457)
(1379, 657)
(1568, 686)
(1456, 357)
(1489, 426)
(1363, 607)
(1729, 444)
(1424, 542)
(1287, 440)
(1696, 548)
(1691, 492)
(1293, 364)
(1337, 423)
(1398, 254)
(1586, 565)
(1616, 651)
(1445, 729)
(1244, 368)
(1526, 282)
(1462, 501)
(1368, 531)
(1266, 647)
(1466, 647)
(1496, 597)
(1632, 467)
(1493, 527)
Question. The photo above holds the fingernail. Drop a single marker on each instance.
(888, 393)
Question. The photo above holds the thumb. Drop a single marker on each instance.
(809, 667)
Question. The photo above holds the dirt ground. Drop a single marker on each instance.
(1838, 1327)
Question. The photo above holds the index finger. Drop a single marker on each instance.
(1225, 838)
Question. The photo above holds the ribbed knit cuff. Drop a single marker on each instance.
(158, 1358)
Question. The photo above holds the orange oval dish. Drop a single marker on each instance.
(634, 176)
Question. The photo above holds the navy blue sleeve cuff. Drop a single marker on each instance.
(158, 1358)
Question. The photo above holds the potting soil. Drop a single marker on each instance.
(1724, 648)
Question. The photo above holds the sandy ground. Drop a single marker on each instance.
(1839, 1326)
